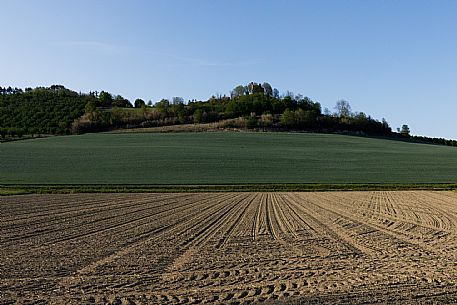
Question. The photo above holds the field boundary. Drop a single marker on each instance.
(18, 189)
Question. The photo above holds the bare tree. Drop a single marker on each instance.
(343, 109)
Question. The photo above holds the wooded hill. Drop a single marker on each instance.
(57, 110)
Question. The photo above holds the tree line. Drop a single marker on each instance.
(49, 110)
(261, 106)
(57, 110)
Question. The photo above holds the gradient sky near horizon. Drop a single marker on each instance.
(391, 59)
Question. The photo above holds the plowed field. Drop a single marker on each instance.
(229, 248)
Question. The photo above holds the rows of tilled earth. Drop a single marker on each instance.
(229, 248)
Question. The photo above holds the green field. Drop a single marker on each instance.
(223, 158)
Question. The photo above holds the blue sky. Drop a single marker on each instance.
(392, 59)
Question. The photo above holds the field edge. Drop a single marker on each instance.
(20, 189)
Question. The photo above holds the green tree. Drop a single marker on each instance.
(90, 108)
(254, 88)
(139, 103)
(275, 93)
(119, 101)
(268, 89)
(405, 130)
(3, 132)
(105, 99)
(163, 107)
(287, 118)
(198, 116)
(238, 91)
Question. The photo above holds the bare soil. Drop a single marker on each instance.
(229, 248)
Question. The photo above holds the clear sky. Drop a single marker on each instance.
(392, 59)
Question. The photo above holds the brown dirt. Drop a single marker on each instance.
(229, 248)
(223, 125)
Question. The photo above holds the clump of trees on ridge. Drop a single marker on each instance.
(57, 110)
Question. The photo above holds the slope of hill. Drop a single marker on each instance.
(223, 158)
(39, 111)
(50, 110)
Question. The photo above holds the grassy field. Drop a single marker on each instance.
(223, 158)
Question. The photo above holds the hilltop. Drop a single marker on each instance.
(57, 110)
